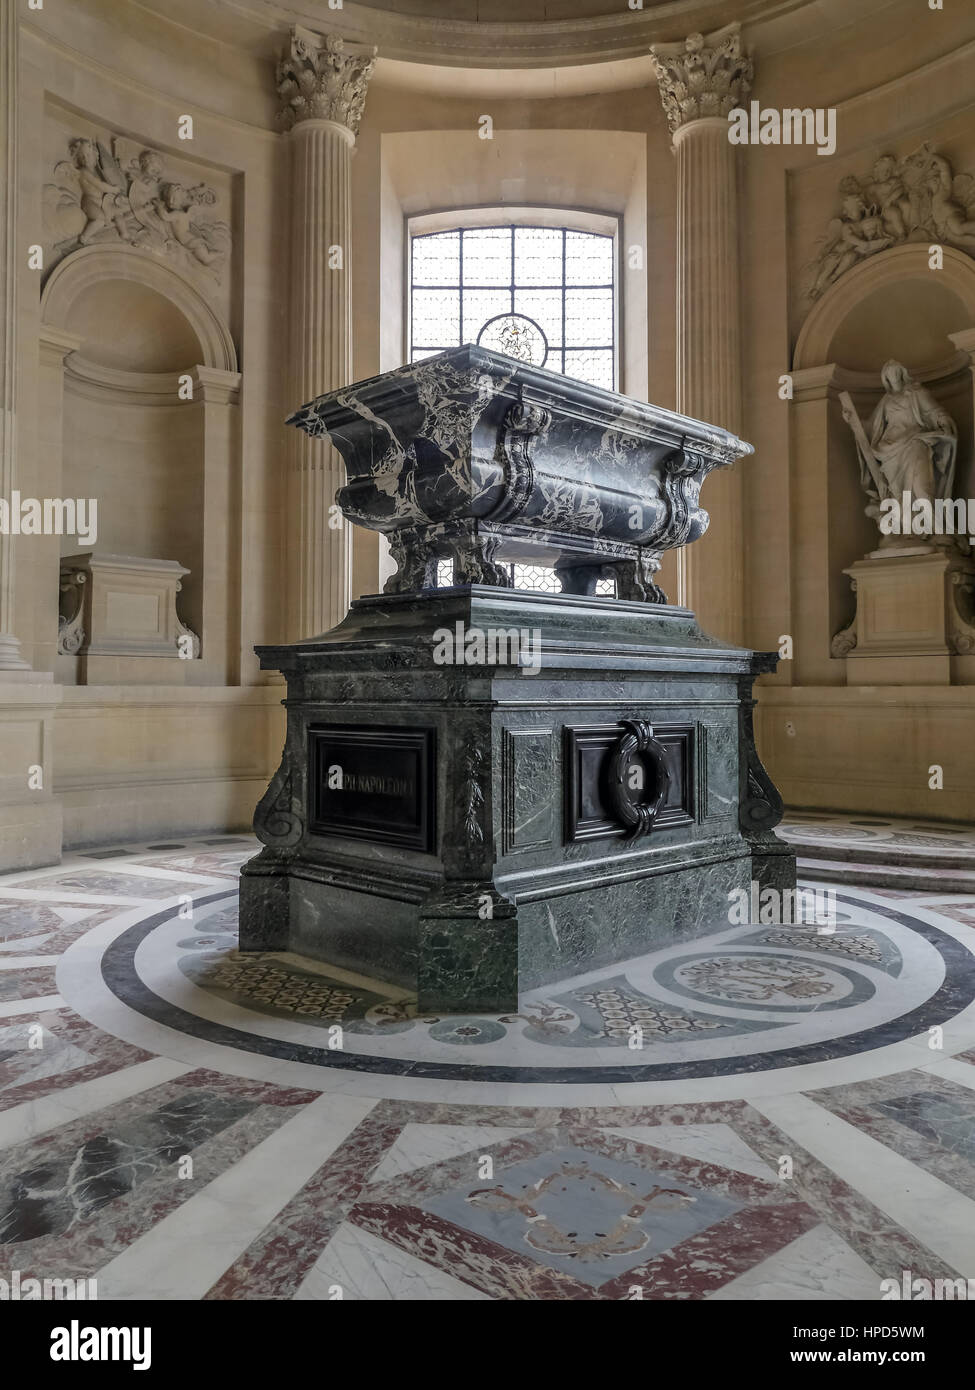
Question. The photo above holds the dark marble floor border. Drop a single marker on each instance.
(956, 992)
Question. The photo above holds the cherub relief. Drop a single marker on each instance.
(917, 198)
(102, 200)
(173, 208)
(857, 233)
(136, 205)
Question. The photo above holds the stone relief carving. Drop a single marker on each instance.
(911, 448)
(321, 78)
(760, 807)
(183, 630)
(918, 198)
(279, 817)
(472, 795)
(703, 76)
(846, 639)
(96, 197)
(961, 638)
(71, 625)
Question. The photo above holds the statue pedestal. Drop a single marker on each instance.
(118, 610)
(914, 620)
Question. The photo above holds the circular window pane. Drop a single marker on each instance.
(516, 336)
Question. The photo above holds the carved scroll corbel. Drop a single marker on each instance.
(278, 820)
(524, 424)
(637, 817)
(71, 626)
(760, 807)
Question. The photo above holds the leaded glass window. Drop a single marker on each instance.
(562, 281)
(541, 577)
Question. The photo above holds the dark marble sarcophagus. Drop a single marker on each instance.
(485, 788)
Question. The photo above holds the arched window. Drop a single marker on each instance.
(541, 287)
(479, 274)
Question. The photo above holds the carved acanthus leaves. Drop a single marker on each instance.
(703, 76)
(321, 78)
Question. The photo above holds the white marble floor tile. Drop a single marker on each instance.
(817, 1267)
(38, 1003)
(364, 1267)
(418, 1145)
(953, 1069)
(712, 1143)
(935, 1214)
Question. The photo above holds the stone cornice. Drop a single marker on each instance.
(322, 78)
(707, 75)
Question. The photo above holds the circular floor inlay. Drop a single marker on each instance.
(747, 1000)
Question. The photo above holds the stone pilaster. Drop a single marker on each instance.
(322, 83)
(10, 658)
(700, 81)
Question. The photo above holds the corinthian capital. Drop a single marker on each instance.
(322, 78)
(706, 75)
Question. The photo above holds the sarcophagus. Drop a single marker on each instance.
(486, 788)
(475, 459)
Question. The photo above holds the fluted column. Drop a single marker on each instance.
(700, 81)
(322, 83)
(10, 658)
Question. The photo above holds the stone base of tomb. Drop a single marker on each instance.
(466, 831)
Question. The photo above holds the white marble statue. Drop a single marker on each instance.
(909, 447)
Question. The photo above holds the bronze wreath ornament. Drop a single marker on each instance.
(637, 817)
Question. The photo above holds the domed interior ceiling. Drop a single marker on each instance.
(554, 11)
(488, 34)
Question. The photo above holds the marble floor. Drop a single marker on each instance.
(775, 1113)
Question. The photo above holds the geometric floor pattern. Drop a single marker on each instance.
(149, 1148)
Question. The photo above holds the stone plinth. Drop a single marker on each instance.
(464, 830)
(913, 622)
(117, 610)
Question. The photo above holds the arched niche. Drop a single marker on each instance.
(884, 274)
(893, 305)
(92, 266)
(121, 333)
